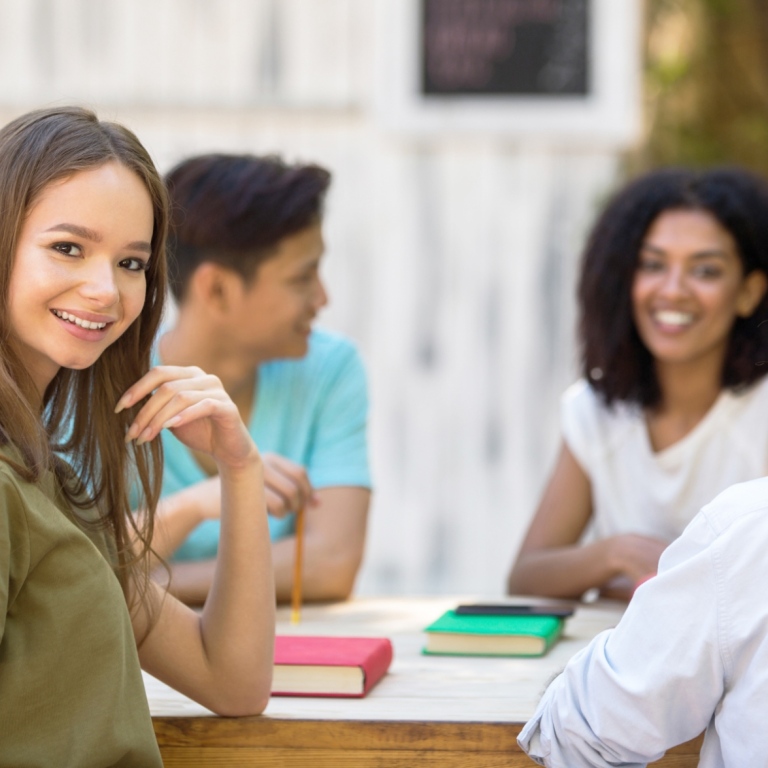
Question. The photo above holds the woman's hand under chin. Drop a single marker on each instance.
(196, 408)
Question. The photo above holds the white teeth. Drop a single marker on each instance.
(77, 321)
(671, 317)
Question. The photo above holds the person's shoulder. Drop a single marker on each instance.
(732, 532)
(10, 460)
(327, 345)
(330, 357)
(736, 503)
(742, 415)
(580, 396)
(593, 430)
(736, 519)
(38, 494)
(18, 498)
(583, 407)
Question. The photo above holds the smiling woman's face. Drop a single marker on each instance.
(690, 287)
(78, 278)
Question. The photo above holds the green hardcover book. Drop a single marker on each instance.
(457, 635)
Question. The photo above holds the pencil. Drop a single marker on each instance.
(297, 568)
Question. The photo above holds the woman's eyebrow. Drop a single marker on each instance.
(76, 229)
(703, 254)
(706, 254)
(90, 234)
(140, 245)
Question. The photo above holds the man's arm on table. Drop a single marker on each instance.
(286, 487)
(334, 540)
(652, 682)
(178, 514)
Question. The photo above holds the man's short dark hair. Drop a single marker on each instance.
(614, 359)
(235, 209)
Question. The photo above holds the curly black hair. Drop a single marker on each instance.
(613, 358)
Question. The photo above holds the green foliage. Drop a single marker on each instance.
(706, 84)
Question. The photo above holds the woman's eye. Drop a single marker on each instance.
(707, 272)
(135, 265)
(68, 249)
(646, 265)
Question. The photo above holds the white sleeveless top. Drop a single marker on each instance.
(637, 490)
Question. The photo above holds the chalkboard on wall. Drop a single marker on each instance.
(505, 48)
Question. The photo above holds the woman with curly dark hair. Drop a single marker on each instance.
(673, 404)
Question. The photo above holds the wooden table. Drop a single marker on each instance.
(427, 711)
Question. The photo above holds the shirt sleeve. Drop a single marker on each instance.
(651, 683)
(577, 416)
(339, 454)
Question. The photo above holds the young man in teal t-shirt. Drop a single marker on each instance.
(245, 251)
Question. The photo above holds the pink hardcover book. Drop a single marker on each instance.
(329, 666)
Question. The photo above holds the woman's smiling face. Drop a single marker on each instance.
(78, 278)
(689, 288)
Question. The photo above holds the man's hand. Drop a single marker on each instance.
(287, 489)
(287, 486)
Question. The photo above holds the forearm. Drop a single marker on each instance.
(328, 572)
(324, 578)
(562, 571)
(334, 540)
(653, 681)
(584, 721)
(222, 657)
(238, 620)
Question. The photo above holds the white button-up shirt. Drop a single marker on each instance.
(689, 654)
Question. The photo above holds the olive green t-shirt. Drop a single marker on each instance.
(71, 692)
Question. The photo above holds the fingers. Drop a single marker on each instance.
(155, 378)
(288, 485)
(184, 408)
(645, 562)
(277, 505)
(175, 390)
(149, 422)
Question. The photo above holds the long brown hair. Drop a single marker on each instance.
(77, 421)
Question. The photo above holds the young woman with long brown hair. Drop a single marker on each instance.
(82, 281)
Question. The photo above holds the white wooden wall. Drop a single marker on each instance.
(452, 262)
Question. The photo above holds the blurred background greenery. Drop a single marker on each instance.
(706, 84)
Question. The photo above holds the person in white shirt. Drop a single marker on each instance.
(673, 406)
(690, 654)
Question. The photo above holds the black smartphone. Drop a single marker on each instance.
(562, 610)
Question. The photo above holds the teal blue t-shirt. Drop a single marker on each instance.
(312, 410)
